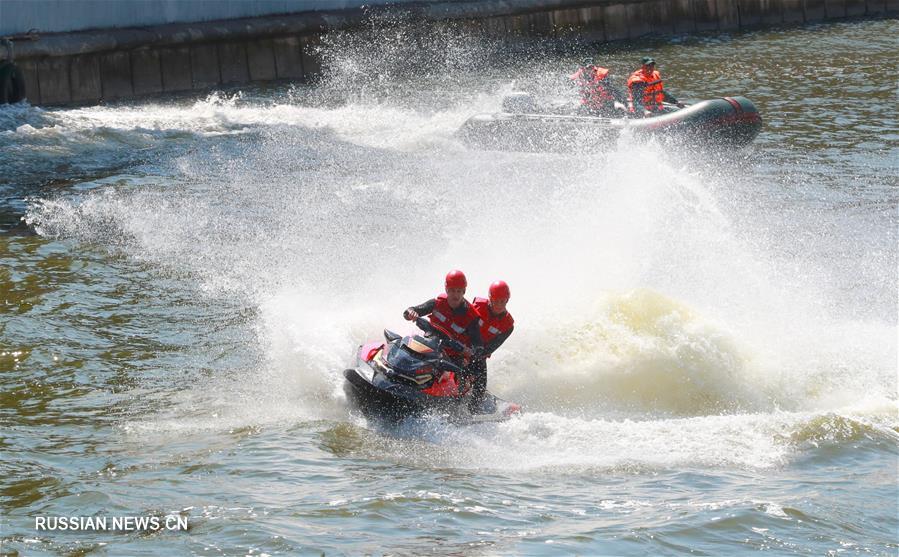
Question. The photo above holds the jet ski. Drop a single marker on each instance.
(526, 125)
(413, 376)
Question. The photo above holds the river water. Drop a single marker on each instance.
(705, 344)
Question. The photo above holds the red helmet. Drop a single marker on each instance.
(456, 279)
(499, 290)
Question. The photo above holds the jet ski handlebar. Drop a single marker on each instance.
(426, 326)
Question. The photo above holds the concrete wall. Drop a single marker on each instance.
(89, 78)
(89, 67)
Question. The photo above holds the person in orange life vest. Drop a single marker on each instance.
(496, 326)
(646, 92)
(598, 94)
(452, 313)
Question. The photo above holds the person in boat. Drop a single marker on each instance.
(599, 97)
(496, 325)
(453, 314)
(646, 92)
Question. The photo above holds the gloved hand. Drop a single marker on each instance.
(410, 314)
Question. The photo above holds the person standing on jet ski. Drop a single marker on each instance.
(496, 326)
(452, 313)
(599, 97)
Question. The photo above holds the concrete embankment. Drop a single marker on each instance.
(89, 66)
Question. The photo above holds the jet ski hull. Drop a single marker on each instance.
(412, 376)
(380, 398)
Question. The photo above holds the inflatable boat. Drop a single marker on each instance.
(729, 122)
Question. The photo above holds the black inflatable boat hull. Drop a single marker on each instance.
(729, 122)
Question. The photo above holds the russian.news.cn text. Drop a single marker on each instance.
(110, 523)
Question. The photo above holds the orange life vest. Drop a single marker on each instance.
(653, 90)
(592, 82)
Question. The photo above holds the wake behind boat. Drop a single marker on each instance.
(524, 125)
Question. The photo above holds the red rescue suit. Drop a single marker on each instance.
(491, 325)
(653, 92)
(453, 321)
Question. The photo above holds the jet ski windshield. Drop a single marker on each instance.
(413, 353)
(426, 346)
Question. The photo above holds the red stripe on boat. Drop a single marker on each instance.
(734, 103)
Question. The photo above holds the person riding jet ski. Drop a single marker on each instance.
(453, 314)
(406, 376)
(496, 326)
